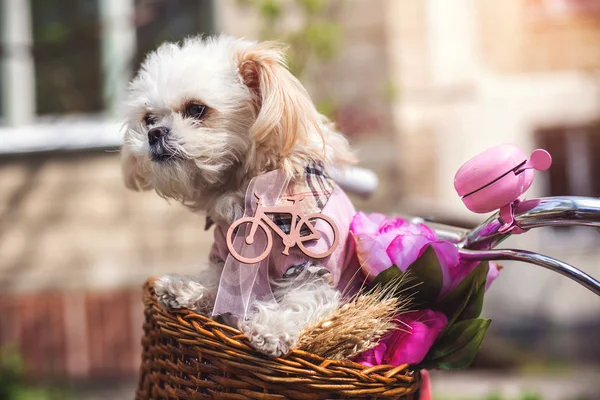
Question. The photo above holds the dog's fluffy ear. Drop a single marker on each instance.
(287, 120)
(135, 174)
(277, 95)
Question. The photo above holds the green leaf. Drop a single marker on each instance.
(455, 338)
(391, 274)
(459, 299)
(474, 305)
(457, 346)
(426, 270)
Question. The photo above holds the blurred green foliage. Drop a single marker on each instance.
(316, 38)
(391, 92)
(13, 385)
(311, 30)
(526, 395)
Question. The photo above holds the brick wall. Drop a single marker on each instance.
(74, 335)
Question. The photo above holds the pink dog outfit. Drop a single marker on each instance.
(241, 284)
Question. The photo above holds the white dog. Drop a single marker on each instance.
(207, 116)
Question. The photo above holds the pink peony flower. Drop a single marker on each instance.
(409, 344)
(374, 234)
(382, 242)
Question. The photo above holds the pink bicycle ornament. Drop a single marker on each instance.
(298, 221)
(496, 178)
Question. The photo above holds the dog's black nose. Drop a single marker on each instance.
(155, 134)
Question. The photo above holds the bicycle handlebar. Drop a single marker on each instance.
(475, 244)
(537, 213)
(530, 257)
(356, 180)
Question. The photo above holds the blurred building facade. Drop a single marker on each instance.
(475, 74)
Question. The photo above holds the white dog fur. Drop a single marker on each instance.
(232, 111)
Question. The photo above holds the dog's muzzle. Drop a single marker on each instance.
(160, 150)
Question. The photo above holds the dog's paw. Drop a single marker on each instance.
(267, 343)
(273, 346)
(174, 291)
(308, 272)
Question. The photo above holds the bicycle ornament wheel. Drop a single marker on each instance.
(243, 226)
(334, 240)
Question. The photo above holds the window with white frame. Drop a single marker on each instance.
(65, 65)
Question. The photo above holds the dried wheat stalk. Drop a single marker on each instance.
(357, 325)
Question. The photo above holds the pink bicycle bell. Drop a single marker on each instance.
(496, 178)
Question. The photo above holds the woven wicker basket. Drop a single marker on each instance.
(188, 356)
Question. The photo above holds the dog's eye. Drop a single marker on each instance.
(149, 120)
(195, 111)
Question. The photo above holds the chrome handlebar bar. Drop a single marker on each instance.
(476, 244)
(537, 213)
(537, 259)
